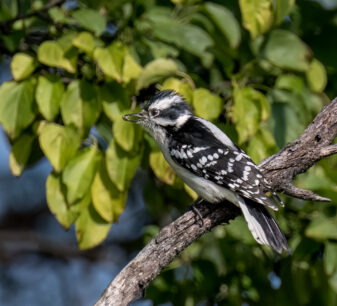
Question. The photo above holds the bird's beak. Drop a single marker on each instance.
(135, 117)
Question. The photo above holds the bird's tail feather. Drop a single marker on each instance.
(262, 225)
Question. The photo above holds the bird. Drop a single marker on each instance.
(210, 163)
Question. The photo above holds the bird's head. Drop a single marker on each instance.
(165, 110)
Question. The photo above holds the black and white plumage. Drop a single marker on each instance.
(211, 164)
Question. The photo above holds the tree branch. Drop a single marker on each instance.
(280, 169)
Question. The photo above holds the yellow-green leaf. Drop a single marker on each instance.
(110, 60)
(80, 105)
(17, 108)
(121, 166)
(115, 100)
(161, 168)
(249, 109)
(181, 87)
(48, 94)
(85, 41)
(206, 104)
(59, 143)
(131, 69)
(91, 229)
(155, 71)
(316, 76)
(79, 173)
(257, 16)
(282, 9)
(21, 149)
(125, 133)
(106, 198)
(57, 202)
(91, 19)
(22, 66)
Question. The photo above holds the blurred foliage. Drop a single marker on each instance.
(257, 69)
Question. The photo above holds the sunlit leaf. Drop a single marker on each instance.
(17, 108)
(283, 8)
(91, 229)
(316, 76)
(110, 60)
(58, 143)
(155, 71)
(80, 172)
(85, 41)
(121, 166)
(206, 104)
(57, 202)
(91, 20)
(80, 105)
(286, 50)
(225, 21)
(106, 198)
(161, 168)
(131, 69)
(21, 149)
(250, 107)
(115, 100)
(181, 87)
(256, 15)
(22, 66)
(126, 135)
(48, 94)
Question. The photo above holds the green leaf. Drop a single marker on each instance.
(316, 76)
(22, 66)
(17, 108)
(106, 198)
(283, 8)
(58, 143)
(121, 166)
(155, 71)
(225, 21)
(286, 50)
(189, 37)
(126, 135)
(249, 109)
(131, 69)
(115, 100)
(91, 20)
(21, 149)
(110, 60)
(322, 228)
(256, 16)
(290, 82)
(52, 54)
(181, 87)
(84, 41)
(64, 213)
(206, 104)
(261, 145)
(80, 105)
(330, 257)
(91, 229)
(161, 168)
(48, 94)
(80, 172)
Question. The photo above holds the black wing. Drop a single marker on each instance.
(227, 166)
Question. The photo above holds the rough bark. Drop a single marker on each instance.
(280, 168)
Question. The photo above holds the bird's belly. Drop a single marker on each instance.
(206, 189)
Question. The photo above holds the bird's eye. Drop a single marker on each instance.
(154, 112)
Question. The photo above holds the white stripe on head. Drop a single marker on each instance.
(167, 102)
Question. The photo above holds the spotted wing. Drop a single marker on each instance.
(232, 169)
